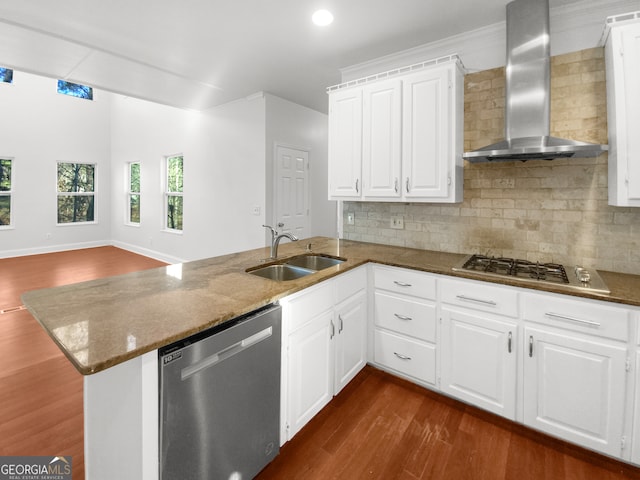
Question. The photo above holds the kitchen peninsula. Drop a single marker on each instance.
(111, 328)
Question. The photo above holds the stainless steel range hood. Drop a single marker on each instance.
(528, 93)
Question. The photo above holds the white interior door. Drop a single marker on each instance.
(291, 192)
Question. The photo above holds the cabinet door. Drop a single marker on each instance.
(381, 139)
(631, 62)
(345, 143)
(351, 339)
(479, 361)
(574, 388)
(426, 133)
(635, 443)
(623, 116)
(310, 370)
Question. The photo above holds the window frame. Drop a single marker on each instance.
(131, 193)
(93, 194)
(167, 194)
(9, 193)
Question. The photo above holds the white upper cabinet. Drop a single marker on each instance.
(410, 129)
(432, 135)
(345, 144)
(381, 139)
(623, 112)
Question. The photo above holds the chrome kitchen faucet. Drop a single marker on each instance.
(275, 240)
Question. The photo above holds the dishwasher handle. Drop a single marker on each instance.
(225, 353)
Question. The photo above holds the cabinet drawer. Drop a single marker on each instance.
(308, 304)
(585, 316)
(406, 315)
(346, 285)
(407, 282)
(405, 355)
(480, 296)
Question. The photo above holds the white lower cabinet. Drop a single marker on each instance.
(310, 365)
(324, 346)
(635, 444)
(576, 370)
(479, 359)
(350, 318)
(405, 323)
(574, 388)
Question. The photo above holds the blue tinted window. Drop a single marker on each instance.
(75, 90)
(6, 75)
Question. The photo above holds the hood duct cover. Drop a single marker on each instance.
(527, 105)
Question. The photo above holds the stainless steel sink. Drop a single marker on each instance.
(314, 262)
(281, 273)
(295, 267)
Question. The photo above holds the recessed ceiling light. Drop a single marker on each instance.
(322, 18)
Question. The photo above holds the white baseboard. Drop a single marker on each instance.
(147, 252)
(22, 252)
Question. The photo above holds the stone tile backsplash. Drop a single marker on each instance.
(552, 211)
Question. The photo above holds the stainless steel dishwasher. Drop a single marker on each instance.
(220, 400)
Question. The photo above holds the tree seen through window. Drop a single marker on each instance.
(76, 192)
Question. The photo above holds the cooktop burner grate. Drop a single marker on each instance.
(551, 272)
(554, 273)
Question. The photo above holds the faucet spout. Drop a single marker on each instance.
(275, 240)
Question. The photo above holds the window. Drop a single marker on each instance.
(76, 192)
(133, 194)
(75, 90)
(6, 75)
(5, 192)
(173, 193)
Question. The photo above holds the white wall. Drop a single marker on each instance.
(224, 176)
(293, 125)
(38, 128)
(228, 154)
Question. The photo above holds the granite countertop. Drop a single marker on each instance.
(104, 322)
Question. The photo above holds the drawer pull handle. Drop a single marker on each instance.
(341, 324)
(557, 316)
(402, 317)
(402, 284)
(509, 341)
(530, 345)
(401, 357)
(477, 300)
(333, 330)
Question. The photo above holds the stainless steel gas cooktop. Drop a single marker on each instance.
(552, 273)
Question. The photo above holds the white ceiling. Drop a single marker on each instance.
(202, 53)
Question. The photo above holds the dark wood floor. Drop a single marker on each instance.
(379, 427)
(41, 409)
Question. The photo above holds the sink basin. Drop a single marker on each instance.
(281, 273)
(314, 262)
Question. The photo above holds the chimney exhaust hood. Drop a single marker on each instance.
(527, 102)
